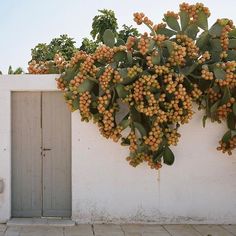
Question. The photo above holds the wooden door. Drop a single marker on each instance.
(56, 160)
(26, 154)
(41, 155)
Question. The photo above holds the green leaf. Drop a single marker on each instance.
(231, 55)
(226, 137)
(69, 74)
(75, 104)
(216, 88)
(120, 42)
(169, 45)
(202, 20)
(125, 142)
(123, 72)
(129, 58)
(135, 115)
(226, 96)
(94, 104)
(203, 40)
(158, 154)
(168, 156)
(120, 89)
(187, 70)
(100, 72)
(215, 30)
(52, 69)
(215, 56)
(224, 21)
(172, 22)
(151, 45)
(128, 80)
(234, 109)
(184, 20)
(141, 129)
(216, 45)
(120, 56)
(219, 73)
(231, 120)
(113, 64)
(232, 43)
(109, 38)
(156, 59)
(214, 107)
(93, 79)
(87, 85)
(232, 33)
(124, 123)
(166, 32)
(192, 31)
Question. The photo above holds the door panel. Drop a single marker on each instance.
(56, 161)
(41, 179)
(26, 155)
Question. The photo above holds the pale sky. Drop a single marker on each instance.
(25, 23)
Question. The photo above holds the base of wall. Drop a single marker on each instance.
(160, 221)
(40, 222)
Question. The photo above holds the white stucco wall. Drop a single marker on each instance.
(199, 188)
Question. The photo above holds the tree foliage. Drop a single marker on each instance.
(127, 31)
(63, 45)
(17, 71)
(63, 48)
(105, 20)
(89, 45)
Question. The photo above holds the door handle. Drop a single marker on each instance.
(47, 149)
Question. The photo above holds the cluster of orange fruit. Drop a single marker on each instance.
(193, 10)
(157, 76)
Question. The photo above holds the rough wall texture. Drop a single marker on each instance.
(199, 188)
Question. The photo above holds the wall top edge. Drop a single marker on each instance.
(29, 76)
(28, 82)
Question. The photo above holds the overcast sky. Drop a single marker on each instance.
(25, 23)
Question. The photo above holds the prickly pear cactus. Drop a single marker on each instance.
(156, 78)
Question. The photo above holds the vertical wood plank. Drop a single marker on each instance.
(26, 154)
(56, 120)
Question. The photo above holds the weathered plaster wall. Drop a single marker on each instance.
(200, 187)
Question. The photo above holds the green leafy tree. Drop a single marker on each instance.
(63, 45)
(46, 52)
(106, 20)
(89, 45)
(127, 31)
(17, 71)
(41, 52)
(102, 22)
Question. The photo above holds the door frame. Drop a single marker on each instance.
(16, 83)
(40, 98)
